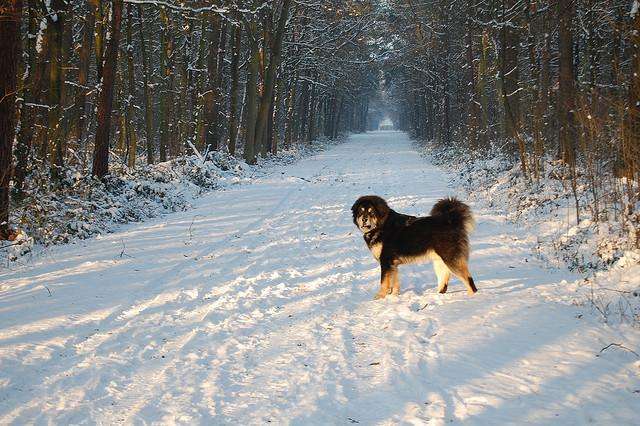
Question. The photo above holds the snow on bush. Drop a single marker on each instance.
(601, 247)
(84, 207)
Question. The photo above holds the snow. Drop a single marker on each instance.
(386, 124)
(40, 37)
(601, 247)
(84, 207)
(50, 12)
(256, 306)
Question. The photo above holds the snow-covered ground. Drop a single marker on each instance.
(83, 207)
(256, 307)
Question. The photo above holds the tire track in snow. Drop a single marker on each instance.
(133, 397)
(207, 249)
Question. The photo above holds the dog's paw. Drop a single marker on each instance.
(380, 295)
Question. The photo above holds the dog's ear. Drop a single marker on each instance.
(354, 209)
(382, 208)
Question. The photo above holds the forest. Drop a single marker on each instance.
(542, 80)
(93, 85)
(223, 212)
(89, 84)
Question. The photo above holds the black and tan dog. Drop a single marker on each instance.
(395, 239)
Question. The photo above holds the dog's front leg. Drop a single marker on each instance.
(386, 275)
(395, 280)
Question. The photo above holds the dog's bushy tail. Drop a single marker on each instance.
(455, 212)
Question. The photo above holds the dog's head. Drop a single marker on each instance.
(369, 212)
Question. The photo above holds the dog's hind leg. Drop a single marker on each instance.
(443, 274)
(461, 270)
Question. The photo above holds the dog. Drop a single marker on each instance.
(395, 239)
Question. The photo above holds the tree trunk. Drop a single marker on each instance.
(215, 130)
(105, 97)
(566, 93)
(483, 72)
(270, 141)
(79, 116)
(473, 112)
(211, 94)
(338, 121)
(271, 71)
(537, 122)
(446, 134)
(301, 117)
(99, 35)
(312, 116)
(166, 77)
(132, 138)
(233, 94)
(31, 94)
(510, 39)
(632, 131)
(291, 104)
(148, 110)
(545, 81)
(56, 27)
(10, 17)
(252, 95)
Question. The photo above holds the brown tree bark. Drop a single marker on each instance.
(215, 125)
(148, 110)
(105, 97)
(545, 81)
(56, 28)
(303, 111)
(632, 130)
(252, 94)
(132, 138)
(446, 133)
(473, 110)
(567, 92)
(99, 35)
(483, 76)
(510, 74)
(291, 104)
(271, 71)
(80, 109)
(233, 93)
(10, 17)
(31, 95)
(211, 94)
(166, 76)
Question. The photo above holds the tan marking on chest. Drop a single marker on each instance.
(376, 249)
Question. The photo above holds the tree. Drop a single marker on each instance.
(146, 81)
(233, 94)
(79, 117)
(57, 16)
(566, 94)
(632, 122)
(105, 103)
(270, 75)
(10, 20)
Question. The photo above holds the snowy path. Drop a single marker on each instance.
(257, 307)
